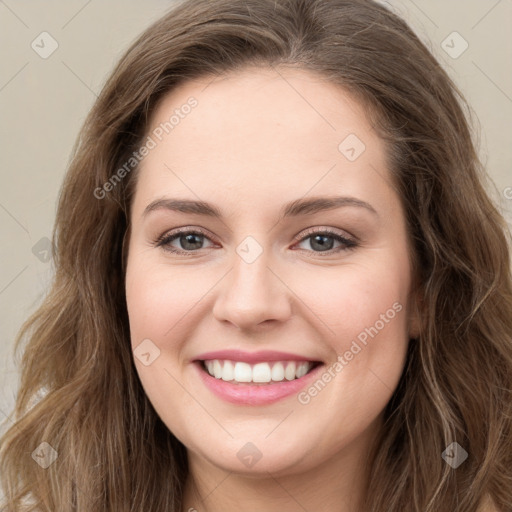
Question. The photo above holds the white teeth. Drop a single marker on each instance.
(259, 372)
(228, 370)
(243, 372)
(277, 372)
(217, 369)
(289, 372)
(302, 369)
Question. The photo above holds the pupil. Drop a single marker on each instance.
(322, 245)
(190, 240)
(318, 240)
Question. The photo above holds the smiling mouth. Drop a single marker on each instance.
(262, 373)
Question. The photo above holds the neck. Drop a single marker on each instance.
(338, 483)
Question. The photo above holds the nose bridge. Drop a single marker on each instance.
(251, 293)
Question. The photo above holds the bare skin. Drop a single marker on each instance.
(258, 140)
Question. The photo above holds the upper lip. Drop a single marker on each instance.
(252, 357)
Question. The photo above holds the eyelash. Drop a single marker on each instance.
(165, 240)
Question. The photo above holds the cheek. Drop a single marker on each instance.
(365, 307)
(349, 299)
(159, 299)
(160, 308)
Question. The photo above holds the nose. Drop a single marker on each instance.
(251, 295)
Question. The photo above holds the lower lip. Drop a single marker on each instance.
(247, 394)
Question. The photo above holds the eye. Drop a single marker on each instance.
(190, 240)
(323, 240)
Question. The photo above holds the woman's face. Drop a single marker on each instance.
(299, 262)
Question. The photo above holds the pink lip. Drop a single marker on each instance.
(251, 357)
(248, 394)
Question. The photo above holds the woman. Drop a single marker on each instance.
(280, 284)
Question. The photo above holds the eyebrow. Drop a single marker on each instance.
(293, 209)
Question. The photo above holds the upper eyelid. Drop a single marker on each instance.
(187, 230)
(301, 236)
(306, 233)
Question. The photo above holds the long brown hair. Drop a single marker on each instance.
(112, 450)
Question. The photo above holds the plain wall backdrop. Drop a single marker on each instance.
(55, 58)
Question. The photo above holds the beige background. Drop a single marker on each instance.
(44, 101)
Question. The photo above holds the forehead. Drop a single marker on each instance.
(261, 130)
